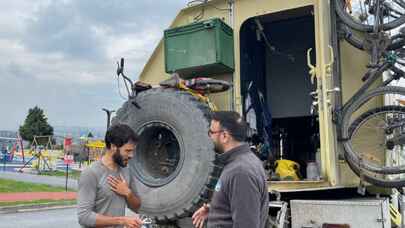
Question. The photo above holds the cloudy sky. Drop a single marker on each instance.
(61, 55)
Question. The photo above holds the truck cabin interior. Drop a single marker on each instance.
(276, 89)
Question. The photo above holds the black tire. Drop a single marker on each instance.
(347, 115)
(363, 169)
(348, 20)
(350, 110)
(377, 180)
(366, 119)
(397, 41)
(173, 163)
(208, 85)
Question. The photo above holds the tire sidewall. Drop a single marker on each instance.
(181, 112)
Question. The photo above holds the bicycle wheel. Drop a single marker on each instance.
(376, 133)
(359, 14)
(394, 43)
(373, 178)
(372, 136)
(350, 121)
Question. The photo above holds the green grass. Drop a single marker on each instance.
(73, 174)
(37, 202)
(18, 186)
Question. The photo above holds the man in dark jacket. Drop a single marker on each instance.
(241, 198)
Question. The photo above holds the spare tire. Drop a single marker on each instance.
(173, 162)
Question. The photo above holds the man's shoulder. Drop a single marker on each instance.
(248, 160)
(247, 163)
(93, 166)
(91, 171)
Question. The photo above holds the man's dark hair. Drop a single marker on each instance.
(233, 123)
(119, 135)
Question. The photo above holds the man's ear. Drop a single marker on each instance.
(225, 137)
(113, 148)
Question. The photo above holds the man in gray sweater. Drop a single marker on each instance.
(106, 188)
(241, 198)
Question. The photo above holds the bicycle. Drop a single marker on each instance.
(375, 44)
(369, 15)
(349, 128)
(374, 18)
(386, 53)
(350, 125)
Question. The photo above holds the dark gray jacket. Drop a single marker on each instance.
(241, 198)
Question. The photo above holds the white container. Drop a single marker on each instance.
(313, 171)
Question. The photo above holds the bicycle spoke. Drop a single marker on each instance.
(370, 136)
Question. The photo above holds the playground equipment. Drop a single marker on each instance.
(95, 149)
(9, 148)
(41, 158)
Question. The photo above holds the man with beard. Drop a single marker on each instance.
(106, 187)
(240, 199)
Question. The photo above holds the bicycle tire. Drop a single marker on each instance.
(360, 168)
(374, 180)
(208, 85)
(345, 124)
(396, 44)
(348, 20)
(397, 41)
(364, 120)
(362, 100)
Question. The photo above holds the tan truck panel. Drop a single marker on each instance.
(353, 63)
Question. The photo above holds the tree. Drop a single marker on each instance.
(35, 124)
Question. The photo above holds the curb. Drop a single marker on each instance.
(33, 208)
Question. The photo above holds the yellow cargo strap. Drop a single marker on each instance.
(199, 96)
(395, 216)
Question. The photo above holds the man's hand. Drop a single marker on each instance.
(119, 185)
(132, 222)
(200, 216)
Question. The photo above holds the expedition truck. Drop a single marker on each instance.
(317, 82)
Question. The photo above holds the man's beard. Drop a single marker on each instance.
(218, 148)
(118, 159)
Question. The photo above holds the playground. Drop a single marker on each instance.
(43, 157)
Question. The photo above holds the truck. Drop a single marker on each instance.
(296, 64)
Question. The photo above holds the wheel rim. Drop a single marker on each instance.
(372, 137)
(159, 154)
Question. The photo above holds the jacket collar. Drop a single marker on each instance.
(230, 155)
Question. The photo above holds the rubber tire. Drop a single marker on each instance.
(190, 119)
(361, 27)
(345, 124)
(374, 180)
(359, 44)
(359, 120)
(349, 153)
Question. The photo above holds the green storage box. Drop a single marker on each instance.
(199, 49)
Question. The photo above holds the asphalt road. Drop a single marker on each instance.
(41, 219)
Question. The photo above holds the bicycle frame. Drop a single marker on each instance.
(375, 74)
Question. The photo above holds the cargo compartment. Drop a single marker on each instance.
(199, 49)
(274, 66)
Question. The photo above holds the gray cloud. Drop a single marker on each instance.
(60, 55)
(78, 29)
(59, 28)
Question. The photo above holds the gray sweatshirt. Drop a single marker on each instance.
(95, 196)
(241, 198)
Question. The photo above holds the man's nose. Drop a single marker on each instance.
(130, 155)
